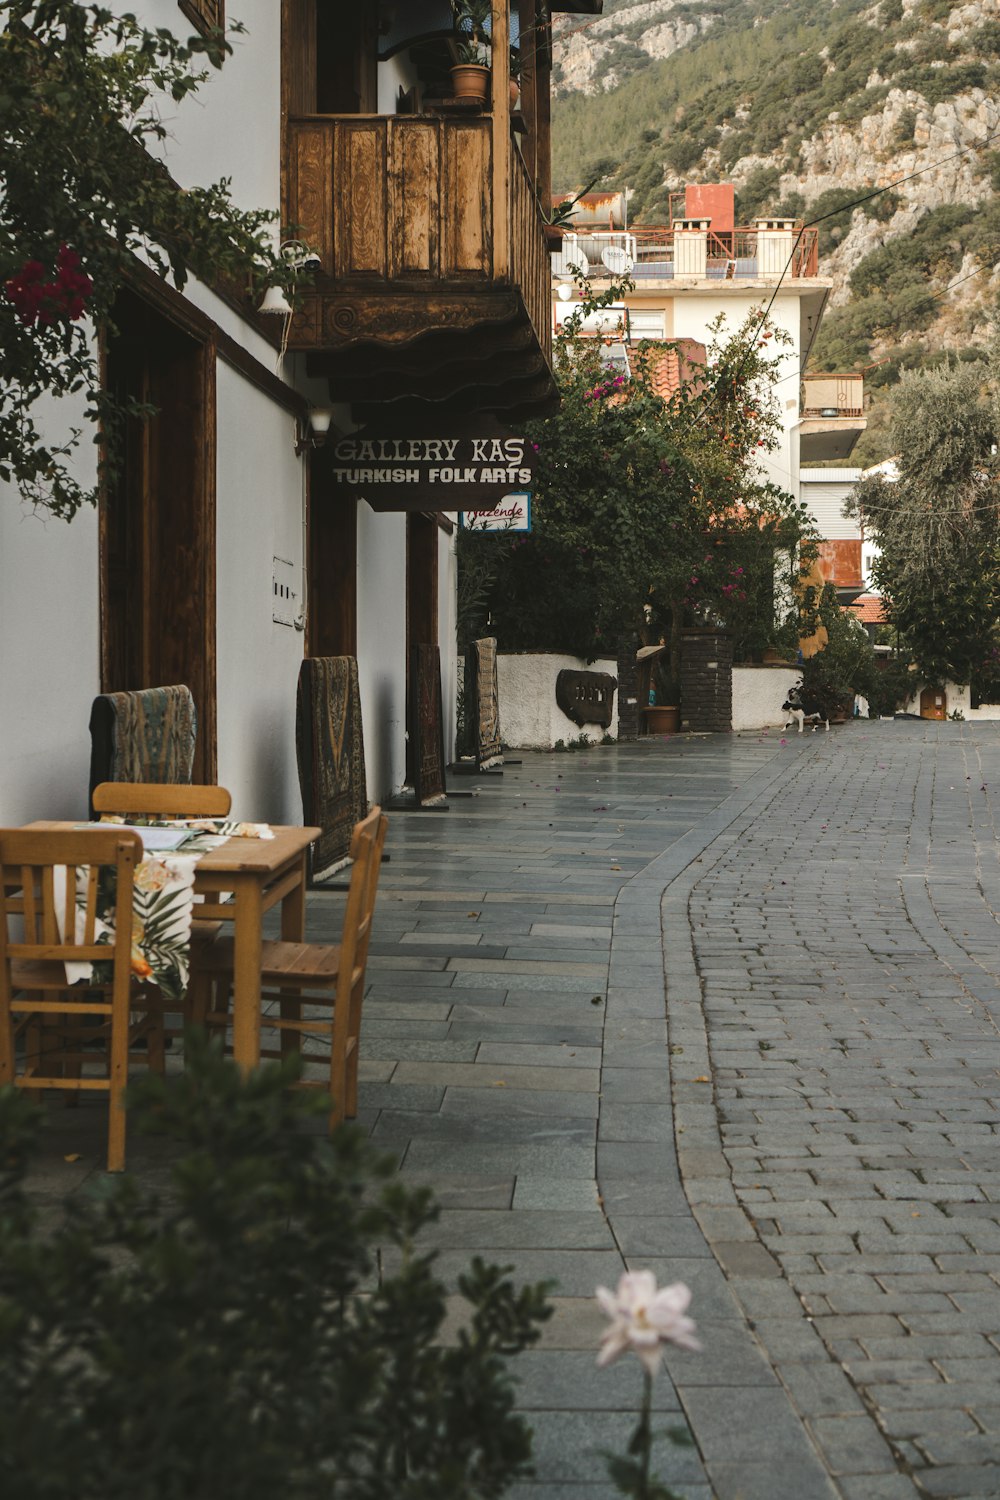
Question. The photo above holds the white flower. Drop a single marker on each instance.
(643, 1319)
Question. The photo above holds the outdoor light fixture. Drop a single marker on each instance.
(564, 293)
(314, 436)
(276, 302)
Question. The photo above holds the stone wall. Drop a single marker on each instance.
(706, 680)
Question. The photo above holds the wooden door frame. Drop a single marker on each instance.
(169, 306)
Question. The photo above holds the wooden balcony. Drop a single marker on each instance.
(435, 273)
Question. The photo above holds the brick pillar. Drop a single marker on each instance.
(628, 693)
(706, 680)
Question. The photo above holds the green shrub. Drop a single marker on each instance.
(236, 1337)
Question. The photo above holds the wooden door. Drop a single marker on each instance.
(158, 518)
(933, 703)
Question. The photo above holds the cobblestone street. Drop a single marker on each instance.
(804, 1132)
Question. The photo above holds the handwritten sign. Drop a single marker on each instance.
(512, 514)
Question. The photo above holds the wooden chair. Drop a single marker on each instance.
(37, 1002)
(317, 975)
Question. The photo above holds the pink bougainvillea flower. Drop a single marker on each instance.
(644, 1318)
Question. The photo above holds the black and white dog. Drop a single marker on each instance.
(803, 710)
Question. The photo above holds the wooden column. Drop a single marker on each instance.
(500, 79)
(529, 39)
(543, 110)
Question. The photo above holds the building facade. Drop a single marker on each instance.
(225, 551)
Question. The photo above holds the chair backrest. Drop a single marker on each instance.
(161, 799)
(367, 841)
(28, 861)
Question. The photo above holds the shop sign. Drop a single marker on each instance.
(512, 514)
(450, 467)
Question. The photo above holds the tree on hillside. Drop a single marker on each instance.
(649, 511)
(938, 524)
(83, 93)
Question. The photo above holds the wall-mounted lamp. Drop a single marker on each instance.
(276, 302)
(564, 293)
(314, 435)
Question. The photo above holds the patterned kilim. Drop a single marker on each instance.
(144, 736)
(428, 726)
(488, 751)
(330, 748)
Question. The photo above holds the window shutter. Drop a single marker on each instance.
(646, 325)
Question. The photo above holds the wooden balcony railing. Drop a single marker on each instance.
(408, 201)
(529, 254)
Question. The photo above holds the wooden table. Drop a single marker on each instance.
(258, 873)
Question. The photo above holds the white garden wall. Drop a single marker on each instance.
(758, 693)
(530, 718)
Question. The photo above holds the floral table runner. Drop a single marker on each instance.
(163, 904)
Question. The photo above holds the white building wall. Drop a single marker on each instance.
(49, 658)
(382, 646)
(49, 572)
(693, 314)
(259, 517)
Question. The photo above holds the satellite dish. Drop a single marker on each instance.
(617, 260)
(580, 265)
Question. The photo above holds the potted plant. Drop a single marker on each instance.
(470, 76)
(663, 714)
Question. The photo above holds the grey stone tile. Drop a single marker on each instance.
(521, 1229)
(853, 1445)
(510, 1102)
(568, 1446)
(566, 1055)
(497, 1075)
(574, 1195)
(554, 1380)
(757, 1479)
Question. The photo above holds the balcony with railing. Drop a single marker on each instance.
(689, 249)
(832, 417)
(434, 279)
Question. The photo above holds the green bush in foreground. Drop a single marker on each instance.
(237, 1336)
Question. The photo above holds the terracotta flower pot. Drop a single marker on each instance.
(663, 718)
(470, 81)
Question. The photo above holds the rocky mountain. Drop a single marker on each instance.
(809, 106)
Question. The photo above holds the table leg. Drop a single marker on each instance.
(293, 908)
(247, 938)
(293, 930)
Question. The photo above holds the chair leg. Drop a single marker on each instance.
(117, 1080)
(351, 1062)
(291, 1010)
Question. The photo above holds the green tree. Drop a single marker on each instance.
(649, 510)
(81, 200)
(938, 524)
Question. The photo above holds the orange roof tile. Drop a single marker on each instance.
(868, 609)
